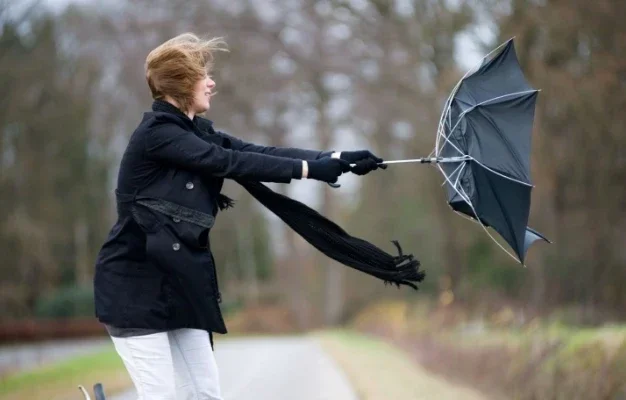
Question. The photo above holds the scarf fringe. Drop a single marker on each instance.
(409, 265)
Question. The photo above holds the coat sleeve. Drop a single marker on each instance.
(177, 147)
(288, 152)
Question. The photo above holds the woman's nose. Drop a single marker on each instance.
(210, 83)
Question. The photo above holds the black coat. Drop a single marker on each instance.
(156, 269)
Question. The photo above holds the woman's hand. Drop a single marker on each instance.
(359, 155)
(366, 166)
(326, 169)
(365, 161)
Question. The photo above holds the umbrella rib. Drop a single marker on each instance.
(441, 133)
(523, 92)
(441, 129)
(500, 174)
(464, 113)
(487, 101)
(459, 170)
(464, 197)
(446, 110)
(445, 137)
(459, 173)
(470, 158)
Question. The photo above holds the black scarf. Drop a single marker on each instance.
(323, 234)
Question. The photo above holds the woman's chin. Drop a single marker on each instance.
(203, 109)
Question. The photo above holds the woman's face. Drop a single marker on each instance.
(202, 95)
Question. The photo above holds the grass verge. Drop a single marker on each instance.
(60, 380)
(381, 371)
(513, 358)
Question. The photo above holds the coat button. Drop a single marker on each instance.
(176, 246)
(177, 220)
(189, 185)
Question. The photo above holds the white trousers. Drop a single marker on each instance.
(174, 365)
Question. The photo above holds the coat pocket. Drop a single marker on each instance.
(148, 297)
(137, 297)
(191, 271)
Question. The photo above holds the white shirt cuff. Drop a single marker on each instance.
(305, 169)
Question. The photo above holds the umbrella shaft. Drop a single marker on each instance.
(423, 160)
(427, 160)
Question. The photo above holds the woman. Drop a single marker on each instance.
(156, 288)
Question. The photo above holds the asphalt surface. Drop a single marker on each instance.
(21, 357)
(276, 368)
(264, 368)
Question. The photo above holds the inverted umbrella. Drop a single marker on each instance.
(488, 120)
(483, 148)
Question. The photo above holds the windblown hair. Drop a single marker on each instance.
(175, 66)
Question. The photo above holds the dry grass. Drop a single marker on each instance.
(380, 371)
(533, 360)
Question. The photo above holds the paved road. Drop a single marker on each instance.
(25, 356)
(276, 368)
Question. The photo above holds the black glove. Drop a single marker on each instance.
(365, 161)
(327, 169)
(354, 156)
(366, 166)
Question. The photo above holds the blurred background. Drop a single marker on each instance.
(342, 75)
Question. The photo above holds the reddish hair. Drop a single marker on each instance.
(173, 68)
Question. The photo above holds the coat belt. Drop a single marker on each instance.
(167, 208)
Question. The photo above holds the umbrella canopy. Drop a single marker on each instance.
(487, 123)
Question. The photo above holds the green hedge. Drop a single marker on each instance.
(71, 301)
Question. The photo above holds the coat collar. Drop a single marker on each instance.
(164, 106)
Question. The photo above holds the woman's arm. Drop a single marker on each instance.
(365, 160)
(287, 152)
(173, 145)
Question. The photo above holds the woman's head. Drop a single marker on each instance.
(178, 71)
